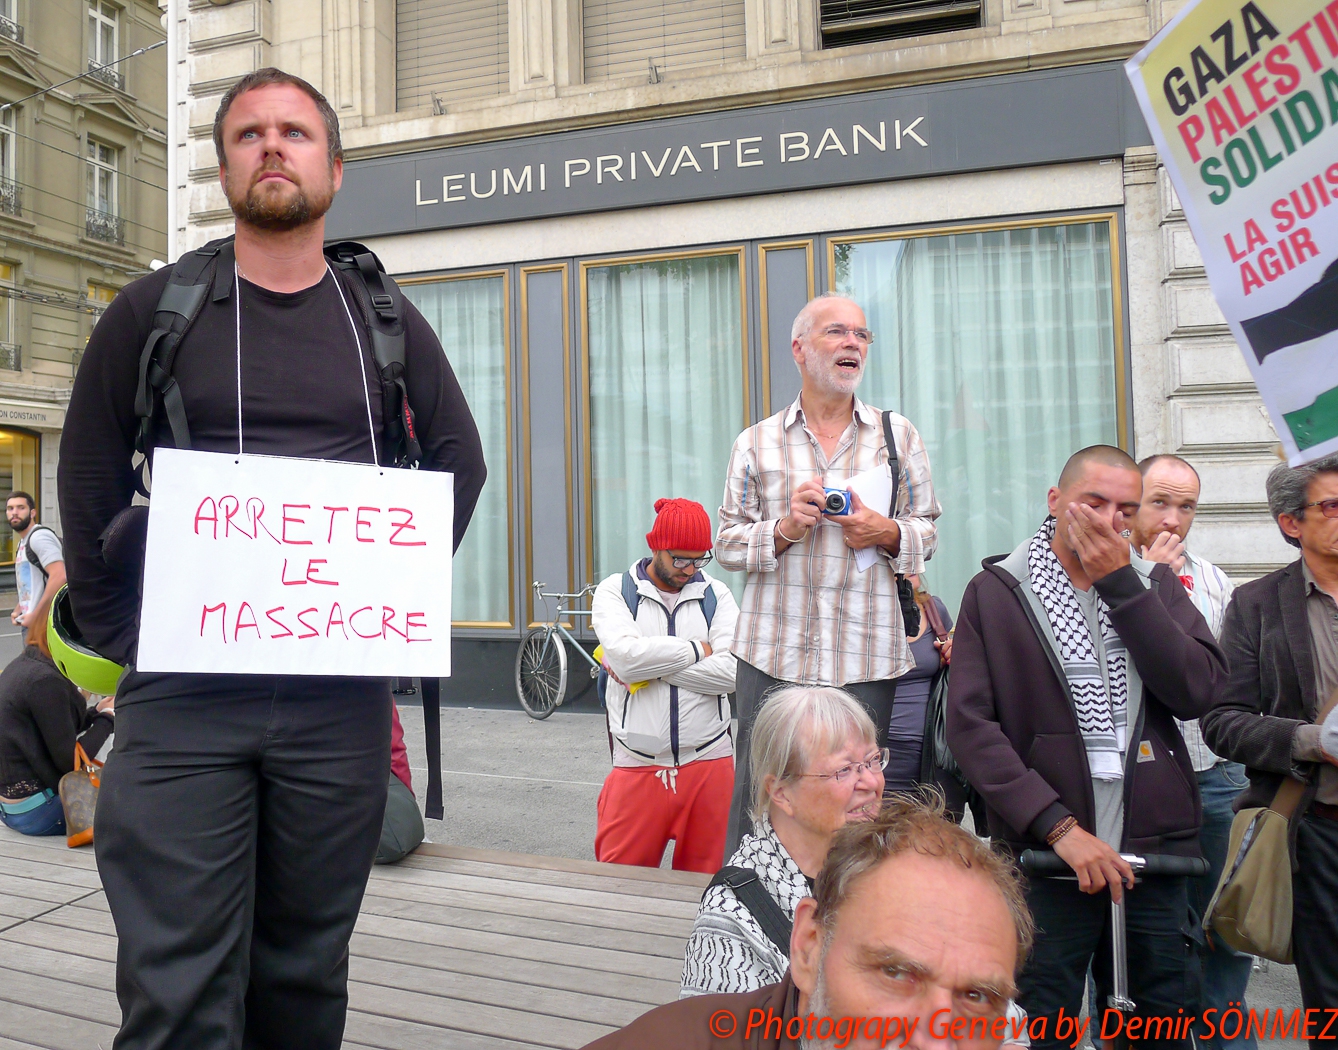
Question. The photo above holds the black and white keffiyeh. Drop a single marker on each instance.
(1102, 713)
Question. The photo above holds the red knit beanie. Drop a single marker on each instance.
(680, 525)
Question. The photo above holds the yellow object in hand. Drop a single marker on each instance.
(631, 689)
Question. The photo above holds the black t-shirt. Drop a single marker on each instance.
(305, 393)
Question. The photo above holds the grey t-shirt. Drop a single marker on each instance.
(1108, 795)
(31, 581)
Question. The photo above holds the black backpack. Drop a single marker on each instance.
(207, 272)
(31, 554)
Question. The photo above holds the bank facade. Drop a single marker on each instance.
(613, 252)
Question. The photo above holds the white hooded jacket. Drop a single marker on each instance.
(683, 709)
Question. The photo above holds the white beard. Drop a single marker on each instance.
(828, 379)
(817, 1005)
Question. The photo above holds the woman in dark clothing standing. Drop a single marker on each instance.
(905, 738)
(42, 716)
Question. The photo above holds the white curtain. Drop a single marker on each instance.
(1000, 348)
(666, 394)
(469, 317)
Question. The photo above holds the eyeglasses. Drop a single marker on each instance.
(1329, 507)
(846, 773)
(840, 331)
(696, 563)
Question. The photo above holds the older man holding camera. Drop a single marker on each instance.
(810, 614)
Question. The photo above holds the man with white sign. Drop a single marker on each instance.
(289, 572)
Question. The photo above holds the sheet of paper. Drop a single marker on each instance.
(874, 488)
(267, 565)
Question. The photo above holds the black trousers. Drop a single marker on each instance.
(236, 827)
(1073, 932)
(751, 687)
(1315, 917)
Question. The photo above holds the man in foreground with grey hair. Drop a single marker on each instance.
(814, 613)
(914, 923)
(1275, 715)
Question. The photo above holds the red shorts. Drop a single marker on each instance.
(641, 808)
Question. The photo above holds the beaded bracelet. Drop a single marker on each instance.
(1061, 829)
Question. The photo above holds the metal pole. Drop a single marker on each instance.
(174, 125)
(1119, 1000)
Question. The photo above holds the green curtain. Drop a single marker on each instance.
(666, 394)
(469, 317)
(1000, 348)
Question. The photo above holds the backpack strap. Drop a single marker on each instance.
(760, 904)
(31, 554)
(709, 602)
(630, 594)
(382, 305)
(179, 305)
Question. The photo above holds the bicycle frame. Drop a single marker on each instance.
(556, 626)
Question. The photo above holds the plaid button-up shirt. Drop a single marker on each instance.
(810, 616)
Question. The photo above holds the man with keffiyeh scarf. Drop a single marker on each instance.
(1072, 659)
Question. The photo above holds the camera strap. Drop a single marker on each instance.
(893, 462)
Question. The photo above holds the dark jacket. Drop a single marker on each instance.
(1012, 727)
(1271, 688)
(41, 716)
(711, 1022)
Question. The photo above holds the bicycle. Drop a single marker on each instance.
(541, 661)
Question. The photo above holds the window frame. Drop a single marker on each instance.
(1110, 216)
(739, 250)
(36, 489)
(98, 19)
(504, 272)
(764, 328)
(93, 165)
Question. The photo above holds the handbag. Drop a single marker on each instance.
(1251, 910)
(935, 754)
(79, 798)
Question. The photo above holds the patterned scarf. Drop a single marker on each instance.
(1102, 713)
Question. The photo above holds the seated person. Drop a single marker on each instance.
(402, 829)
(914, 922)
(42, 715)
(816, 766)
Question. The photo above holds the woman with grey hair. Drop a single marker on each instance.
(816, 767)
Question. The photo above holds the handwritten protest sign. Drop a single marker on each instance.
(265, 565)
(1242, 102)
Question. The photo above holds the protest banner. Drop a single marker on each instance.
(1242, 103)
(267, 565)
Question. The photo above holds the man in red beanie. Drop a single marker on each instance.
(665, 628)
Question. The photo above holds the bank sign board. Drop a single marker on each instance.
(1242, 99)
(1079, 113)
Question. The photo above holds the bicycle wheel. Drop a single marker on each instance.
(541, 672)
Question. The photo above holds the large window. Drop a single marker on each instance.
(648, 38)
(450, 50)
(469, 315)
(1002, 347)
(18, 470)
(666, 392)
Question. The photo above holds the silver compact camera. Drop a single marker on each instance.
(836, 502)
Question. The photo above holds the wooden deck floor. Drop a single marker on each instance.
(455, 949)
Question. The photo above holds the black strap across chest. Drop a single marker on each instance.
(747, 886)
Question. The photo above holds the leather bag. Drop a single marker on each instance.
(79, 798)
(935, 754)
(1251, 909)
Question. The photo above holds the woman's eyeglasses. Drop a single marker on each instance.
(845, 773)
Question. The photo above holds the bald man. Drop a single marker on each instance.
(1072, 660)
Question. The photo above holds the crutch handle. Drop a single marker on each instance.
(1043, 862)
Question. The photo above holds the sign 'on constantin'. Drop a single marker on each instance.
(265, 565)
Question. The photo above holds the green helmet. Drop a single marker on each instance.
(76, 660)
